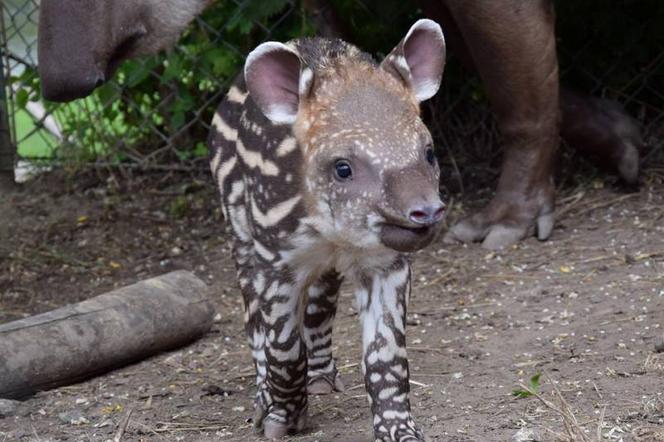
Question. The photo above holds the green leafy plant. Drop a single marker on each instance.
(529, 390)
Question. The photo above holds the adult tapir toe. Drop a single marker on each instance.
(496, 234)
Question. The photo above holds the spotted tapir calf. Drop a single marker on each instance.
(326, 171)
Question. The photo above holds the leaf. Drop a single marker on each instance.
(174, 68)
(22, 96)
(107, 94)
(520, 393)
(534, 382)
(533, 388)
(201, 150)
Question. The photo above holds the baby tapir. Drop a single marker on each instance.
(326, 170)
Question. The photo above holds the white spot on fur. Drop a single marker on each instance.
(286, 146)
(235, 95)
(386, 393)
(223, 128)
(237, 190)
(237, 215)
(224, 170)
(394, 414)
(262, 251)
(277, 213)
(255, 160)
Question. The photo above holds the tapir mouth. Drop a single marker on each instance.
(407, 238)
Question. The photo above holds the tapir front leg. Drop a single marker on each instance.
(323, 377)
(273, 311)
(382, 297)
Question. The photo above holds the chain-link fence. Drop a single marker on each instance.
(155, 113)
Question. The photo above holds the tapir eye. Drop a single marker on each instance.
(342, 170)
(431, 158)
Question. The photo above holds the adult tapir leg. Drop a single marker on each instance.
(512, 46)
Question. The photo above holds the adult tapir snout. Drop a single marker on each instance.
(69, 35)
(82, 42)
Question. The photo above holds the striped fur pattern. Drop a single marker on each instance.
(298, 228)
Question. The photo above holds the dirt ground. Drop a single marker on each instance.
(584, 309)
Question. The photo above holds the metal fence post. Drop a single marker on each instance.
(7, 147)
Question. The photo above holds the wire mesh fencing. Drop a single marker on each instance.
(155, 113)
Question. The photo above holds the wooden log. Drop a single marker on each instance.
(79, 341)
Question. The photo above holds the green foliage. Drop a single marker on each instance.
(167, 100)
(531, 389)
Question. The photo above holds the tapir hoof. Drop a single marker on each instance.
(496, 235)
(274, 430)
(325, 384)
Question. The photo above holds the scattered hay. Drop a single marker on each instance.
(574, 431)
(654, 362)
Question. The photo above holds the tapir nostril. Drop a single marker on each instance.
(418, 215)
(427, 215)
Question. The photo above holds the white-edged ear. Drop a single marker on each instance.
(276, 80)
(419, 59)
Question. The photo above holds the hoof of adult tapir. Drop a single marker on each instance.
(324, 384)
(498, 236)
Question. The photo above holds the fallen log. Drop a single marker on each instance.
(79, 341)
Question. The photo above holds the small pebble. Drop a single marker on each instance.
(525, 435)
(73, 418)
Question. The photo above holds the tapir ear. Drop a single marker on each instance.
(419, 59)
(276, 81)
